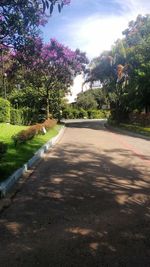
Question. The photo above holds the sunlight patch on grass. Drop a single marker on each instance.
(7, 130)
(17, 156)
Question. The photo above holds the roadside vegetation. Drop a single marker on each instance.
(15, 156)
(124, 74)
(36, 76)
(136, 129)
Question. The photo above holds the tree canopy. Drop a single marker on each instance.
(44, 67)
(19, 19)
(133, 53)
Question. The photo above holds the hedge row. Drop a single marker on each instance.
(4, 110)
(15, 116)
(33, 130)
(140, 118)
(24, 116)
(72, 113)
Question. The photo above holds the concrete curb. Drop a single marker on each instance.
(119, 130)
(6, 186)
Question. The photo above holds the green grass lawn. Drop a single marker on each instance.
(17, 156)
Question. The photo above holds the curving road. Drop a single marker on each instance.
(85, 205)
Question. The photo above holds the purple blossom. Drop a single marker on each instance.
(53, 60)
(66, 2)
(12, 53)
(42, 21)
(1, 18)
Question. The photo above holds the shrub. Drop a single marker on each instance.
(82, 114)
(67, 113)
(3, 149)
(97, 114)
(140, 118)
(29, 116)
(4, 110)
(75, 113)
(91, 114)
(33, 130)
(23, 136)
(49, 123)
(15, 116)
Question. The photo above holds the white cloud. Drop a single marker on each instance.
(98, 32)
(135, 6)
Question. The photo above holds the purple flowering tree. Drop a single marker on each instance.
(51, 66)
(60, 65)
(19, 19)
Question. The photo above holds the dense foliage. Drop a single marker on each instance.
(72, 112)
(42, 71)
(3, 149)
(4, 110)
(133, 53)
(92, 99)
(36, 76)
(19, 19)
(30, 69)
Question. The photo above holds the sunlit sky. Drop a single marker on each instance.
(93, 25)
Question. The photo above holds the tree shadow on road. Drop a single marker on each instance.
(80, 208)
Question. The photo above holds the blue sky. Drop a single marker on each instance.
(93, 25)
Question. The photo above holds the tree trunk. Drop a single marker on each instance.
(47, 105)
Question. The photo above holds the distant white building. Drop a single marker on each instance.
(96, 84)
(77, 87)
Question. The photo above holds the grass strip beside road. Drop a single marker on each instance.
(136, 129)
(15, 157)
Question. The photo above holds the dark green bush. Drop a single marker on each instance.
(74, 113)
(82, 114)
(15, 116)
(29, 116)
(67, 113)
(4, 110)
(97, 114)
(142, 119)
(3, 149)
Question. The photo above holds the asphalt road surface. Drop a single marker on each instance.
(85, 205)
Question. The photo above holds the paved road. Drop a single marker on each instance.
(85, 205)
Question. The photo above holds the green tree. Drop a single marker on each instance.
(86, 101)
(138, 57)
(46, 67)
(134, 54)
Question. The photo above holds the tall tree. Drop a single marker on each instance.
(133, 53)
(19, 19)
(137, 38)
(48, 66)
